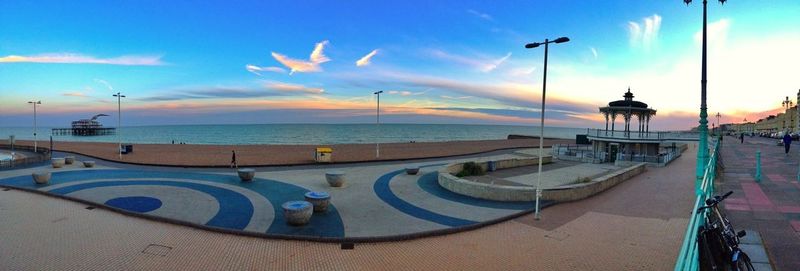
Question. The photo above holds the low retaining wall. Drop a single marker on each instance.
(528, 193)
(490, 191)
(597, 185)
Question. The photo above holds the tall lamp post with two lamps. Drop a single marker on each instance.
(546, 42)
(119, 121)
(702, 148)
(35, 140)
(378, 124)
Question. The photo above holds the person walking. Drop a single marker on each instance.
(787, 142)
(741, 137)
(233, 159)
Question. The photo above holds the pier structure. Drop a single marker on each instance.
(85, 127)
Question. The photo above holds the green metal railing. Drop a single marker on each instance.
(688, 257)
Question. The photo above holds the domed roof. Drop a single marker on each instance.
(628, 102)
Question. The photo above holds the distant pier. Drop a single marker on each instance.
(86, 127)
(84, 131)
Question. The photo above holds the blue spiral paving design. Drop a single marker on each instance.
(135, 204)
(429, 183)
(384, 192)
(235, 209)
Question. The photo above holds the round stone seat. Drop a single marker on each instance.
(69, 160)
(88, 163)
(335, 178)
(412, 170)
(297, 212)
(57, 162)
(246, 174)
(319, 200)
(41, 177)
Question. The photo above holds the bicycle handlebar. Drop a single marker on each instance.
(715, 200)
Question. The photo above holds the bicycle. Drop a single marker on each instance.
(719, 242)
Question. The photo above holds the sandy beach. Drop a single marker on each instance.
(273, 155)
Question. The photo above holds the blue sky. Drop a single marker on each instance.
(182, 62)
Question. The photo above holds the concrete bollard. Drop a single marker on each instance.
(758, 166)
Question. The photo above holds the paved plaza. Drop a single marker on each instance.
(376, 201)
(636, 225)
(771, 206)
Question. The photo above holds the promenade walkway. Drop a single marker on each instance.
(771, 207)
(275, 155)
(637, 225)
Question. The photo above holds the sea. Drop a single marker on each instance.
(298, 134)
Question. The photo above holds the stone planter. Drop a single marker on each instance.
(335, 178)
(319, 200)
(69, 160)
(412, 170)
(41, 177)
(57, 162)
(88, 163)
(247, 174)
(297, 213)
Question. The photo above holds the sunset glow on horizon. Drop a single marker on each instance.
(441, 62)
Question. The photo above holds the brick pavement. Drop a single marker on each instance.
(636, 225)
(772, 206)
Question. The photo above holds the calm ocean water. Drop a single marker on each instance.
(301, 133)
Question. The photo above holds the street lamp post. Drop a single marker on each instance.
(119, 121)
(719, 125)
(378, 124)
(702, 150)
(546, 42)
(35, 141)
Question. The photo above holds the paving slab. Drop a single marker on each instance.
(770, 206)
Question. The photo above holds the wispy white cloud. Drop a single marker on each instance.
(594, 52)
(104, 83)
(644, 34)
(312, 65)
(256, 69)
(75, 94)
(405, 92)
(455, 98)
(483, 64)
(286, 87)
(717, 33)
(492, 66)
(317, 56)
(480, 15)
(516, 72)
(84, 59)
(364, 61)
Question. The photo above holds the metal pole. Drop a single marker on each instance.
(378, 124)
(702, 150)
(537, 215)
(758, 167)
(35, 141)
(119, 123)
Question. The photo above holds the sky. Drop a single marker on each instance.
(241, 62)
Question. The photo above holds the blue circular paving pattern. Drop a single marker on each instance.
(429, 183)
(235, 209)
(135, 204)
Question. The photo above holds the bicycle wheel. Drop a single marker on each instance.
(744, 264)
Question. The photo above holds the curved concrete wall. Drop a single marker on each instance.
(527, 193)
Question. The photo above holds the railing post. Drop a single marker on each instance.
(758, 166)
